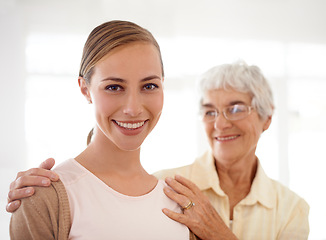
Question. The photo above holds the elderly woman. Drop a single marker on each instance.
(225, 193)
(236, 108)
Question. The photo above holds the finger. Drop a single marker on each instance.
(18, 194)
(27, 181)
(47, 164)
(179, 217)
(176, 197)
(40, 172)
(187, 183)
(12, 206)
(178, 187)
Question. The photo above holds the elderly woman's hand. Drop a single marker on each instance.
(21, 187)
(198, 213)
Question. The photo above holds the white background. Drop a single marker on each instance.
(44, 115)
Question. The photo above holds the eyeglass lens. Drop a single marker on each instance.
(234, 112)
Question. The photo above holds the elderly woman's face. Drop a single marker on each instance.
(232, 140)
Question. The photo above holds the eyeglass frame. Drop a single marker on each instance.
(248, 111)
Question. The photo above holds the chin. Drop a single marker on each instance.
(225, 157)
(131, 146)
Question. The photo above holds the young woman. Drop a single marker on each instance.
(104, 192)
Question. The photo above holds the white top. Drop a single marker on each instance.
(99, 212)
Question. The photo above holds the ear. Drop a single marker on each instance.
(84, 89)
(267, 123)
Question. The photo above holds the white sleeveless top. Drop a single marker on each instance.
(99, 212)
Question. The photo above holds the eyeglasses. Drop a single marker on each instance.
(232, 113)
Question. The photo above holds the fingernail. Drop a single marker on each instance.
(168, 179)
(15, 204)
(164, 210)
(54, 177)
(167, 189)
(28, 191)
(45, 182)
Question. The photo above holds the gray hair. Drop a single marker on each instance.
(243, 78)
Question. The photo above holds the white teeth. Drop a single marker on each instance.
(226, 138)
(130, 125)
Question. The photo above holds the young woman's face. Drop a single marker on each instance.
(127, 92)
(234, 140)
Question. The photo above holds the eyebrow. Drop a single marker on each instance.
(207, 105)
(210, 105)
(236, 102)
(116, 79)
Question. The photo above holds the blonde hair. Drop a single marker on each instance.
(107, 36)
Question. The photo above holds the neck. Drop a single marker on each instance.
(240, 172)
(120, 169)
(236, 177)
(103, 156)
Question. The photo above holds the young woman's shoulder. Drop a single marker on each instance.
(45, 215)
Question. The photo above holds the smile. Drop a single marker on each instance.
(130, 126)
(226, 138)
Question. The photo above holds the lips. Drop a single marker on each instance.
(130, 125)
(227, 138)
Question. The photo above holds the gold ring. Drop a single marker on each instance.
(189, 205)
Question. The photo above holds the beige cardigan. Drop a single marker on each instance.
(45, 215)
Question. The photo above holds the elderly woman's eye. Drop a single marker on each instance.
(211, 113)
(237, 109)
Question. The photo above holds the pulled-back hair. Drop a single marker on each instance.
(107, 36)
(243, 78)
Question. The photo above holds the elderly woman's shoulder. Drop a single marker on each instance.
(183, 171)
(288, 198)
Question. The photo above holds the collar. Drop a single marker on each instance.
(261, 191)
(205, 176)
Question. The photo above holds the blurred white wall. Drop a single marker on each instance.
(189, 32)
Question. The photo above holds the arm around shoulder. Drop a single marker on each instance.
(45, 215)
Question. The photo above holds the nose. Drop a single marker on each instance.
(221, 122)
(133, 105)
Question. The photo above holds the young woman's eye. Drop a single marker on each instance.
(150, 86)
(113, 88)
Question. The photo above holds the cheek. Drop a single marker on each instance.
(155, 104)
(209, 128)
(255, 132)
(104, 105)
(253, 126)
